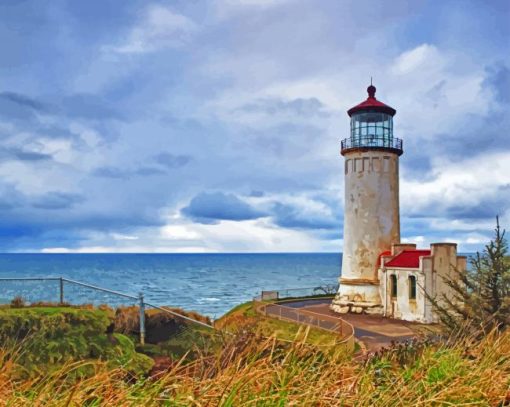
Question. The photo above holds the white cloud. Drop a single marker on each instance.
(159, 28)
(178, 232)
(256, 236)
(127, 249)
(229, 8)
(120, 236)
(226, 236)
(457, 183)
(425, 55)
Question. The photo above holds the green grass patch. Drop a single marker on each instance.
(53, 336)
(244, 316)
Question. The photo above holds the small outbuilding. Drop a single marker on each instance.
(407, 274)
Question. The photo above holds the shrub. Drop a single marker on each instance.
(18, 302)
(479, 300)
(54, 336)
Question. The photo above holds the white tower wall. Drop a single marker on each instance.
(371, 225)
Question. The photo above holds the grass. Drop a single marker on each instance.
(51, 337)
(244, 316)
(251, 371)
(246, 368)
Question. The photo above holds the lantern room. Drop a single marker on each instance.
(372, 126)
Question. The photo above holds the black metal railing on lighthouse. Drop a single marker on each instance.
(372, 141)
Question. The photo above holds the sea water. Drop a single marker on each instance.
(210, 284)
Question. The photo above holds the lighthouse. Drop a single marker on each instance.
(371, 213)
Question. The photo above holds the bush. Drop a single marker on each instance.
(18, 302)
(51, 337)
(160, 326)
(479, 299)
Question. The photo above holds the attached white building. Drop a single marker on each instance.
(406, 274)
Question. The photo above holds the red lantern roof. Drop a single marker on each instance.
(371, 105)
(408, 259)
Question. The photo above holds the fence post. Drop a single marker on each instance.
(61, 291)
(142, 319)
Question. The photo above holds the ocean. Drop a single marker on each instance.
(210, 284)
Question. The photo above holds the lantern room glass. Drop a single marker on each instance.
(372, 129)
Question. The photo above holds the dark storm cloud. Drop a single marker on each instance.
(212, 207)
(436, 93)
(111, 172)
(299, 107)
(22, 100)
(20, 154)
(77, 105)
(90, 107)
(498, 80)
(257, 194)
(57, 200)
(17, 107)
(472, 208)
(31, 156)
(172, 161)
(125, 173)
(487, 207)
(291, 217)
(148, 171)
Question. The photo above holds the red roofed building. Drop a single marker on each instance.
(407, 274)
(408, 259)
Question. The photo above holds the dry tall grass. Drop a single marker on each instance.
(249, 371)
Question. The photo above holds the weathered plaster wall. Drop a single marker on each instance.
(445, 261)
(401, 306)
(371, 220)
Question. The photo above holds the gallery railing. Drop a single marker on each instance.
(372, 141)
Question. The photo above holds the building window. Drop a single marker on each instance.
(412, 287)
(393, 285)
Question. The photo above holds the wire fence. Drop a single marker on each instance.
(332, 324)
(132, 312)
(317, 291)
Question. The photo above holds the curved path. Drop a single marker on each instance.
(375, 332)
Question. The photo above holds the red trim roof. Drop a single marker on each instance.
(408, 259)
(379, 259)
(372, 104)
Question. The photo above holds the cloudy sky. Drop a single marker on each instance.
(213, 126)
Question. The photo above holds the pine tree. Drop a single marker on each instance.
(479, 299)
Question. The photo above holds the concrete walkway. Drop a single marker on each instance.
(375, 332)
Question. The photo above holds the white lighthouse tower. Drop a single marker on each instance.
(371, 214)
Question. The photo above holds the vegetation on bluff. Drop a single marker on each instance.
(248, 370)
(44, 338)
(244, 317)
(480, 298)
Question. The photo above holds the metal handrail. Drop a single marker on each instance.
(106, 290)
(372, 141)
(327, 289)
(319, 317)
(30, 278)
(180, 315)
(139, 299)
